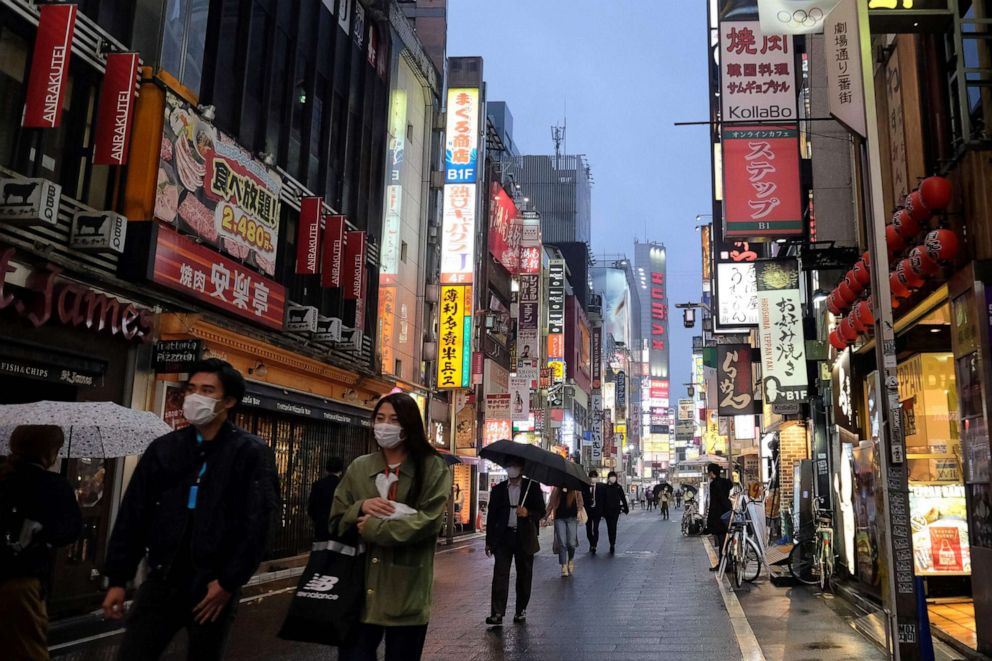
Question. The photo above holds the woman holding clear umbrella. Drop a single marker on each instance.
(564, 507)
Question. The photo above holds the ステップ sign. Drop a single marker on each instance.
(183, 265)
(761, 182)
(211, 187)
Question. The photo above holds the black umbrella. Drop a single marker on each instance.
(658, 488)
(450, 459)
(539, 465)
(689, 488)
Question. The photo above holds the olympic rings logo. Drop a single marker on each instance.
(801, 17)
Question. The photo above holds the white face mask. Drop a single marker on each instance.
(388, 436)
(613, 480)
(199, 409)
(513, 472)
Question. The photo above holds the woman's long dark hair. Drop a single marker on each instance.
(415, 438)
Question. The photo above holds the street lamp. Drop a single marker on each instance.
(689, 312)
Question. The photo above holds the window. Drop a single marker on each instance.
(184, 34)
(13, 65)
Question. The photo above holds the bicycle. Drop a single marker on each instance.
(811, 560)
(742, 555)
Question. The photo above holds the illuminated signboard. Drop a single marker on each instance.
(458, 229)
(461, 152)
(658, 349)
(737, 294)
(783, 347)
(454, 337)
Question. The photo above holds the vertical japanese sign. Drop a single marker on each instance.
(454, 359)
(519, 398)
(353, 266)
(596, 402)
(737, 294)
(308, 236)
(621, 385)
(461, 152)
(112, 137)
(780, 328)
(845, 89)
(49, 67)
(733, 370)
(758, 81)
(332, 252)
(504, 229)
(658, 348)
(556, 308)
(597, 357)
(458, 234)
(762, 197)
(389, 254)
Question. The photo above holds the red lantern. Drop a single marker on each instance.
(935, 193)
(941, 245)
(844, 295)
(855, 321)
(899, 289)
(861, 273)
(832, 305)
(907, 226)
(904, 270)
(836, 341)
(914, 205)
(864, 313)
(921, 262)
(847, 330)
(894, 241)
(853, 282)
(866, 258)
(896, 303)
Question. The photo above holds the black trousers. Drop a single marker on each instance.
(509, 550)
(402, 643)
(718, 539)
(159, 611)
(664, 509)
(592, 530)
(611, 527)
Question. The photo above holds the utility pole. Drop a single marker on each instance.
(897, 542)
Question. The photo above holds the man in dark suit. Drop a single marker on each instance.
(516, 506)
(322, 497)
(718, 505)
(614, 502)
(594, 499)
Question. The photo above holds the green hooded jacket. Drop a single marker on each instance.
(399, 561)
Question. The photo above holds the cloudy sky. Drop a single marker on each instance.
(626, 71)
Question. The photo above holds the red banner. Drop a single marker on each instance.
(332, 253)
(116, 110)
(49, 67)
(761, 182)
(199, 272)
(308, 237)
(504, 233)
(353, 267)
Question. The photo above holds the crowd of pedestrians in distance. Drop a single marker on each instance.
(198, 511)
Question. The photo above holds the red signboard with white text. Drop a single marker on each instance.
(186, 266)
(353, 267)
(504, 233)
(308, 236)
(112, 138)
(761, 182)
(332, 252)
(49, 67)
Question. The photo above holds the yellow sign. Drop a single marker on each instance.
(557, 370)
(620, 434)
(454, 353)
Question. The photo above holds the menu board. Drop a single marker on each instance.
(940, 530)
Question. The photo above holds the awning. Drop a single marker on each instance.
(282, 400)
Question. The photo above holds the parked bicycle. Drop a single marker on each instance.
(692, 521)
(742, 553)
(811, 560)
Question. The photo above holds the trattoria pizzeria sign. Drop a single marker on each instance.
(43, 296)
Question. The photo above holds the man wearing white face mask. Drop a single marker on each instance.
(516, 506)
(198, 508)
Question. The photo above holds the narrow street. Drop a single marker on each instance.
(655, 599)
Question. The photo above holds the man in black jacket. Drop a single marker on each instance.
(718, 505)
(516, 506)
(614, 502)
(322, 497)
(594, 499)
(198, 508)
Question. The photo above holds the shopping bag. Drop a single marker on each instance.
(328, 601)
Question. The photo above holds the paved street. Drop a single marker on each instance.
(654, 599)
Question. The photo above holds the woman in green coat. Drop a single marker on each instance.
(399, 531)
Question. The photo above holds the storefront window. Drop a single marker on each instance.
(13, 65)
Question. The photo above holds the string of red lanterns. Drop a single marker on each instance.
(921, 262)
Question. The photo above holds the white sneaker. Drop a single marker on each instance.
(564, 571)
(571, 567)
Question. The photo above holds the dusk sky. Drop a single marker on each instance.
(626, 70)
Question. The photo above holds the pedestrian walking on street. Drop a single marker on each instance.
(400, 530)
(38, 513)
(719, 504)
(322, 497)
(563, 507)
(594, 499)
(614, 503)
(198, 509)
(516, 506)
(663, 498)
(678, 498)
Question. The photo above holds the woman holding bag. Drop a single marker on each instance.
(399, 529)
(564, 507)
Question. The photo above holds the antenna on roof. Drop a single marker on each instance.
(558, 137)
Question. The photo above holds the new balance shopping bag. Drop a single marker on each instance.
(329, 598)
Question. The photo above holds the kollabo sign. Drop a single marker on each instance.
(757, 75)
(49, 67)
(116, 109)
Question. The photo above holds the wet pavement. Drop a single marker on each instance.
(654, 599)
